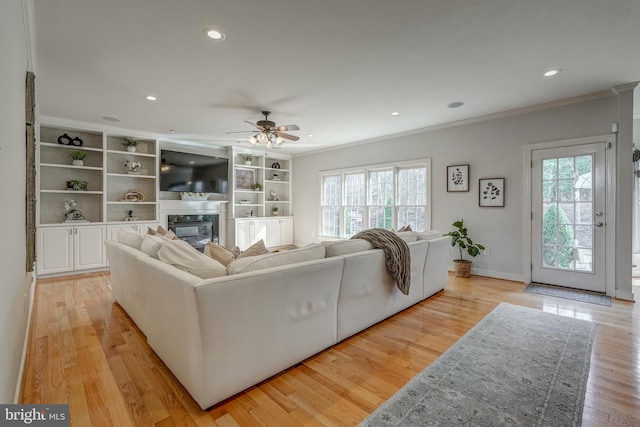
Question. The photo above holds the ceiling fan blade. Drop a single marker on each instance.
(242, 131)
(253, 124)
(287, 136)
(287, 127)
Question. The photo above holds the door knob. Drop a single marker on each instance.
(599, 224)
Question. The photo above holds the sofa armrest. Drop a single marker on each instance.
(436, 267)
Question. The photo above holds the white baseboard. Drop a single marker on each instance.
(625, 295)
(30, 283)
(494, 274)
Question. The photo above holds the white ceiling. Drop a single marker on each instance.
(336, 68)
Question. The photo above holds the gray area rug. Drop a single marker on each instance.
(567, 293)
(518, 367)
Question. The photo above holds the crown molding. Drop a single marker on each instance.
(508, 113)
(624, 88)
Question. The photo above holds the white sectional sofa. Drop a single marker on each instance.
(224, 334)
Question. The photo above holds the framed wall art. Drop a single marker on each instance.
(457, 178)
(245, 179)
(491, 192)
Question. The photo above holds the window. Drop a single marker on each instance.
(382, 196)
(331, 202)
(354, 203)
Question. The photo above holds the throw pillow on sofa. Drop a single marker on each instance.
(221, 254)
(307, 253)
(160, 231)
(182, 255)
(128, 237)
(151, 244)
(257, 248)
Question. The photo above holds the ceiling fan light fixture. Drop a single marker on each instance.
(279, 141)
(253, 140)
(263, 137)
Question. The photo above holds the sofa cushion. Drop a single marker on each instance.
(182, 255)
(127, 236)
(429, 235)
(307, 253)
(151, 244)
(257, 248)
(407, 236)
(221, 254)
(344, 247)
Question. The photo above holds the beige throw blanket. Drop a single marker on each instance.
(396, 252)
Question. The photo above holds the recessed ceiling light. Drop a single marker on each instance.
(150, 98)
(172, 131)
(310, 135)
(552, 72)
(110, 119)
(214, 34)
(456, 104)
(395, 113)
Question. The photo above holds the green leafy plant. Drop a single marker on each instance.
(257, 186)
(79, 185)
(78, 155)
(129, 142)
(557, 234)
(247, 157)
(461, 239)
(274, 209)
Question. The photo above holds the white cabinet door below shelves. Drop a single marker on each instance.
(279, 232)
(55, 250)
(249, 232)
(62, 249)
(89, 250)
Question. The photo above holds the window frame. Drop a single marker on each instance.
(366, 169)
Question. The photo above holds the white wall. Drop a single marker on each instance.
(13, 315)
(492, 148)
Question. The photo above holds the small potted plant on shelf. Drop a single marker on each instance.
(257, 186)
(274, 211)
(78, 185)
(130, 143)
(461, 239)
(247, 157)
(77, 158)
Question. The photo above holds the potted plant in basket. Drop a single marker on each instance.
(460, 238)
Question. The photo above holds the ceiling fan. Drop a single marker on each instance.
(268, 133)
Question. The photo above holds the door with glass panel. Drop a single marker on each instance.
(569, 216)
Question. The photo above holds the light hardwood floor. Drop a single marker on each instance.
(85, 351)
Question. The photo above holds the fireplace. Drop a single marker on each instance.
(197, 230)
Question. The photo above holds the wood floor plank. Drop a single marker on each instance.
(84, 350)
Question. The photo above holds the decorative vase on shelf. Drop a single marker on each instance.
(131, 149)
(77, 162)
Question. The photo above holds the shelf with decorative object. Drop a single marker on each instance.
(83, 166)
(249, 205)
